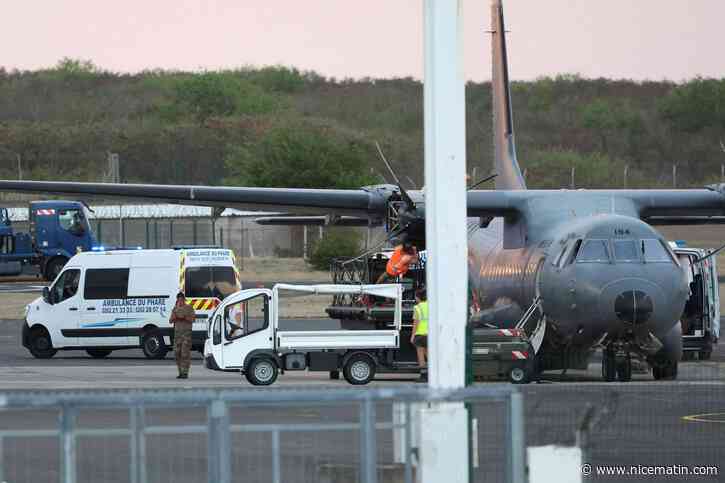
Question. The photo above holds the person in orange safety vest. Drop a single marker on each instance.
(399, 263)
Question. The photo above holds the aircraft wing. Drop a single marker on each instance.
(367, 202)
(350, 207)
(321, 220)
(680, 207)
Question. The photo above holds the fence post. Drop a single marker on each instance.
(193, 228)
(368, 449)
(515, 470)
(67, 445)
(2, 460)
(171, 232)
(148, 236)
(276, 475)
(156, 233)
(138, 445)
(99, 231)
(408, 444)
(219, 443)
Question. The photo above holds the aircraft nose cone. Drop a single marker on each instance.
(633, 307)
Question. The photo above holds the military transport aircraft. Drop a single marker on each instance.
(585, 267)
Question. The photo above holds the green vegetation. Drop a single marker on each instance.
(333, 244)
(301, 155)
(278, 126)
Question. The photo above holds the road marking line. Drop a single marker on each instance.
(706, 418)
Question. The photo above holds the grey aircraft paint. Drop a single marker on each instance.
(522, 243)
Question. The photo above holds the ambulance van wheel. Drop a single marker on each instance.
(40, 344)
(359, 369)
(152, 344)
(261, 372)
(519, 375)
(98, 353)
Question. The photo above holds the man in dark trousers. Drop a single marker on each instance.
(182, 318)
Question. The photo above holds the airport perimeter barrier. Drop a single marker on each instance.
(276, 435)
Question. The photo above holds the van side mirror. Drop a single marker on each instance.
(46, 295)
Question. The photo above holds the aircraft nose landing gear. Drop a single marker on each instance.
(616, 364)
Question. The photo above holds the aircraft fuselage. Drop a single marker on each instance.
(599, 274)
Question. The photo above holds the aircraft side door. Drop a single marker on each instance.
(245, 328)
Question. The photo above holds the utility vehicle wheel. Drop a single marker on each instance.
(359, 369)
(624, 370)
(40, 344)
(98, 353)
(153, 346)
(261, 372)
(518, 375)
(335, 375)
(53, 269)
(609, 365)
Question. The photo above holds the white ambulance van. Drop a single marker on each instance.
(121, 299)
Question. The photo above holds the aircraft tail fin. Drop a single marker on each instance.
(505, 162)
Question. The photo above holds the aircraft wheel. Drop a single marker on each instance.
(359, 369)
(666, 372)
(609, 365)
(40, 344)
(624, 370)
(261, 372)
(152, 344)
(98, 353)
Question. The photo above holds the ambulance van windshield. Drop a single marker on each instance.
(210, 282)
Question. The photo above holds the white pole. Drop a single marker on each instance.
(304, 242)
(444, 428)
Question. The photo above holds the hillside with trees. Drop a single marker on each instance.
(277, 126)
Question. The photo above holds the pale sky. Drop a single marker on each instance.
(639, 39)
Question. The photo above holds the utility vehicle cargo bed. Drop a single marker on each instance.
(337, 339)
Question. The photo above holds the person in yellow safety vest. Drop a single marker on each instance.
(419, 336)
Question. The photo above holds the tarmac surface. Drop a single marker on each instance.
(643, 422)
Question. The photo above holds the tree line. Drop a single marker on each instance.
(279, 126)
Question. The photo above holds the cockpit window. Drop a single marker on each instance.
(593, 251)
(558, 261)
(625, 251)
(654, 251)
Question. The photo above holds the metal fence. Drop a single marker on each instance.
(278, 435)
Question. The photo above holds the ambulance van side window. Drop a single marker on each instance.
(106, 283)
(66, 286)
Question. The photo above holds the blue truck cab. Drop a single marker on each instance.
(58, 230)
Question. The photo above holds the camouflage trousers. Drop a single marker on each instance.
(182, 347)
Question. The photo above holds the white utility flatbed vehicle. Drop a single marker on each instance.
(244, 337)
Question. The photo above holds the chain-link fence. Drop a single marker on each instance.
(253, 436)
(244, 236)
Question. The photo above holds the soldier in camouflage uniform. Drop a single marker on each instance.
(182, 318)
